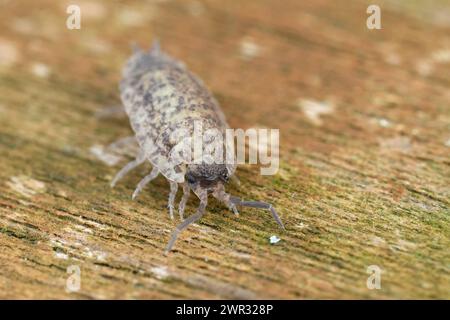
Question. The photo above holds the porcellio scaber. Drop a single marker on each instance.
(160, 97)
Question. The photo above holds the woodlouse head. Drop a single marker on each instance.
(207, 176)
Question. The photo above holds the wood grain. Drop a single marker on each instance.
(366, 183)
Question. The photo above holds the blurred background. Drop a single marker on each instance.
(364, 175)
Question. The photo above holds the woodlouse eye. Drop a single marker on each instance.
(225, 177)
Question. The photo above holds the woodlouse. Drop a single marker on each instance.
(161, 96)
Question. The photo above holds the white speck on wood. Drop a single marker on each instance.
(83, 229)
(8, 53)
(94, 224)
(390, 53)
(447, 143)
(26, 186)
(403, 245)
(92, 10)
(40, 70)
(384, 123)
(160, 272)
(441, 56)
(393, 59)
(386, 99)
(132, 17)
(103, 155)
(97, 254)
(377, 241)
(196, 8)
(97, 45)
(402, 144)
(274, 239)
(249, 49)
(315, 109)
(301, 225)
(23, 25)
(425, 68)
(61, 255)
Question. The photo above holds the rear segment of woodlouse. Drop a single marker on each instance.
(162, 98)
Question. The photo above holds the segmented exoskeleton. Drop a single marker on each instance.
(161, 97)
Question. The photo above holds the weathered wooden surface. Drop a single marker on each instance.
(365, 183)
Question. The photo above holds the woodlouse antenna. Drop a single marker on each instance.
(258, 204)
(231, 201)
(135, 47)
(155, 47)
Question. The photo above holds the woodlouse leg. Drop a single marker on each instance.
(184, 199)
(224, 197)
(135, 47)
(191, 219)
(261, 205)
(152, 175)
(127, 168)
(172, 195)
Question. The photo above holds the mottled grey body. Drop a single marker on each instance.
(160, 97)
